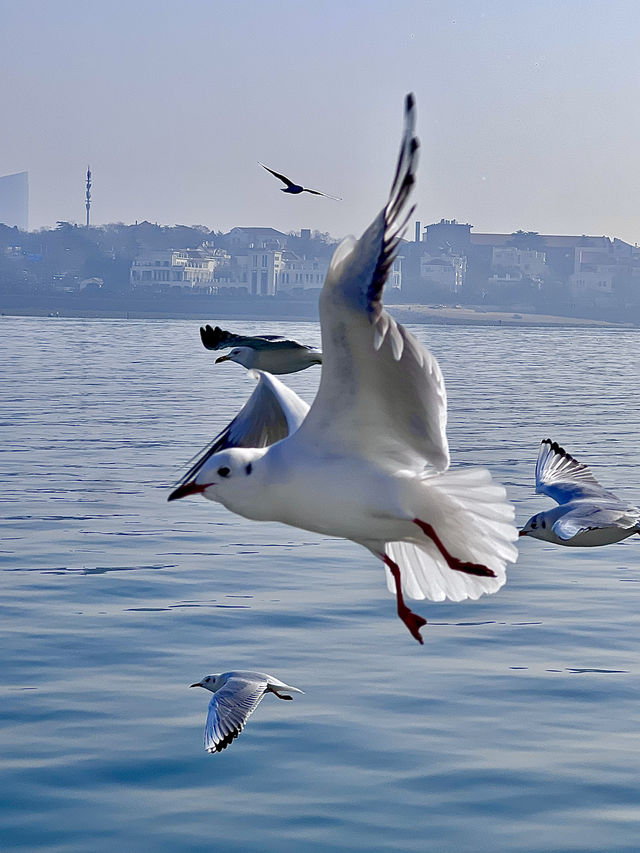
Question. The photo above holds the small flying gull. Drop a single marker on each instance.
(369, 461)
(295, 189)
(272, 353)
(587, 514)
(236, 695)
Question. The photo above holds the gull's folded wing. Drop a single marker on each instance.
(381, 392)
(563, 478)
(229, 710)
(589, 517)
(271, 413)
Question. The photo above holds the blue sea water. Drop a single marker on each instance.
(514, 728)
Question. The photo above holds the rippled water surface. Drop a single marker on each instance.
(515, 727)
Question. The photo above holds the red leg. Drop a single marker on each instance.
(410, 619)
(453, 562)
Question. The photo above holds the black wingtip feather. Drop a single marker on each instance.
(228, 739)
(403, 183)
(556, 448)
(560, 451)
(212, 338)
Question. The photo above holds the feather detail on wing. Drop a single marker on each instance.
(229, 710)
(561, 477)
(590, 517)
(272, 412)
(380, 389)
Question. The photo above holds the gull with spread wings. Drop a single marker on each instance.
(236, 695)
(295, 189)
(587, 514)
(370, 460)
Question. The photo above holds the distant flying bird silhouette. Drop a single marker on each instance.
(295, 189)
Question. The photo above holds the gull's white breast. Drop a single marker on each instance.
(335, 495)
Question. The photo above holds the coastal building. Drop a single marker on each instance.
(522, 263)
(448, 235)
(199, 266)
(444, 271)
(185, 268)
(298, 274)
(14, 200)
(594, 275)
(254, 238)
(256, 270)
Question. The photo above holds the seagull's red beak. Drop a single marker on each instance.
(187, 489)
(520, 533)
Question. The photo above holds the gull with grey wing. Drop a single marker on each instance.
(370, 460)
(272, 353)
(236, 695)
(587, 514)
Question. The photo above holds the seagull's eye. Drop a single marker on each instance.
(224, 471)
(534, 524)
(543, 524)
(249, 468)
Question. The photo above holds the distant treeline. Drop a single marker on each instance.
(69, 254)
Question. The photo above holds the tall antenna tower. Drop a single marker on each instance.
(88, 194)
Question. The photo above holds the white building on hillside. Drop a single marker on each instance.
(154, 267)
(255, 270)
(300, 274)
(185, 268)
(200, 265)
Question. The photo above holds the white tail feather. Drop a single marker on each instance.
(380, 330)
(473, 520)
(397, 341)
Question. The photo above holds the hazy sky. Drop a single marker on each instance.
(527, 111)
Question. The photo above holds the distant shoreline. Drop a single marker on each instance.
(213, 309)
(472, 316)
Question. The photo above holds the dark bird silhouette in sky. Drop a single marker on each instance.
(295, 189)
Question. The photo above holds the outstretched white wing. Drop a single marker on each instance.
(564, 479)
(229, 710)
(271, 413)
(381, 392)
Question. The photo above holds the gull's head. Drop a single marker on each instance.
(245, 356)
(223, 476)
(537, 526)
(210, 682)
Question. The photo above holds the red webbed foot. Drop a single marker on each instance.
(412, 620)
(453, 562)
